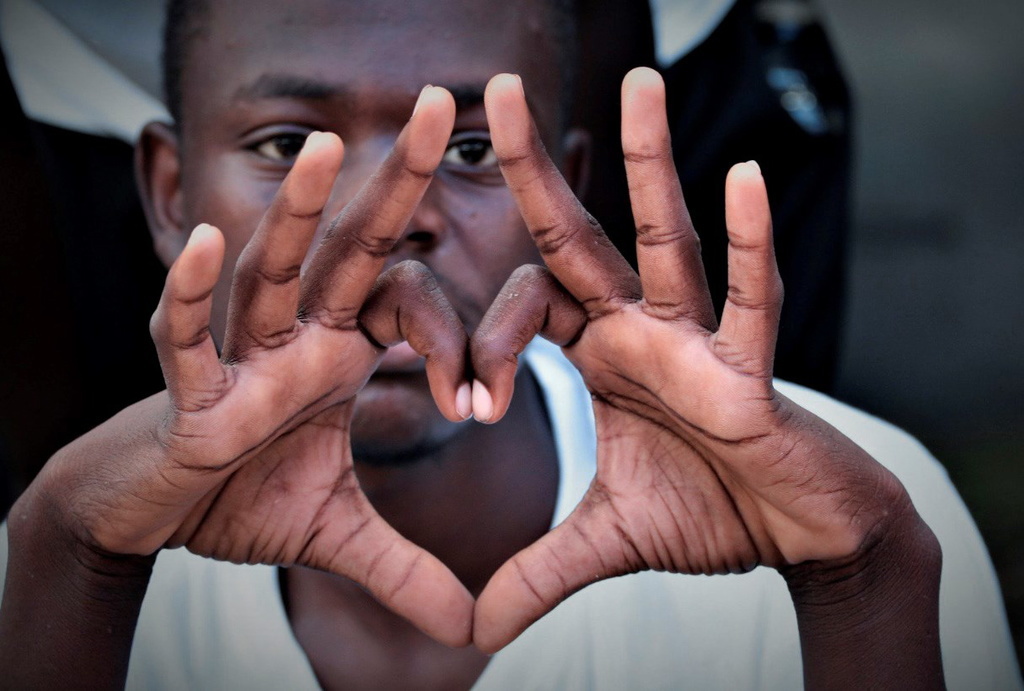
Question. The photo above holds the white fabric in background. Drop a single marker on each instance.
(62, 78)
(681, 25)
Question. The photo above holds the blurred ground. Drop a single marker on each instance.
(935, 327)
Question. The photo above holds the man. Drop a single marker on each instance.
(87, 77)
(704, 467)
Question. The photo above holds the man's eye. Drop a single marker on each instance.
(280, 147)
(471, 151)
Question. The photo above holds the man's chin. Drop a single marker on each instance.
(397, 423)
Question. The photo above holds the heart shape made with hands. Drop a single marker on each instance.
(702, 466)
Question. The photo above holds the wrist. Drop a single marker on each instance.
(69, 609)
(44, 532)
(871, 619)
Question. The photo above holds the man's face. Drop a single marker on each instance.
(263, 74)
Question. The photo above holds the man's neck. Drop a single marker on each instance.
(487, 494)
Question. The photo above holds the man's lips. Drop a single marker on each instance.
(401, 358)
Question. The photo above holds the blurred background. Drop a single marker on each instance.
(934, 327)
(932, 323)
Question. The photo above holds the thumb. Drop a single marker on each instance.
(586, 548)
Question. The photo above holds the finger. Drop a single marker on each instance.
(265, 288)
(403, 577)
(180, 327)
(571, 242)
(347, 263)
(406, 304)
(667, 246)
(750, 320)
(531, 302)
(575, 554)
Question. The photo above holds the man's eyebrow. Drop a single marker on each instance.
(273, 85)
(289, 86)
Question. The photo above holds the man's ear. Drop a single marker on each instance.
(158, 177)
(576, 146)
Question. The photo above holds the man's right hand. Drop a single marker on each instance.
(246, 456)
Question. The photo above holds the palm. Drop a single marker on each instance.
(296, 502)
(660, 468)
(269, 499)
(689, 383)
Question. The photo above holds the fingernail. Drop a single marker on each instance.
(464, 401)
(756, 166)
(200, 231)
(520, 80)
(419, 99)
(311, 141)
(483, 404)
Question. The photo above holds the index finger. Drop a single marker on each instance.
(346, 265)
(570, 240)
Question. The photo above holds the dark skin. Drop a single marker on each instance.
(449, 494)
(702, 466)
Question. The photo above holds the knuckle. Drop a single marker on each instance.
(760, 302)
(552, 238)
(530, 276)
(417, 170)
(289, 207)
(410, 163)
(644, 153)
(337, 318)
(653, 234)
(158, 328)
(495, 350)
(410, 272)
(512, 160)
(277, 275)
(377, 246)
(484, 346)
(490, 361)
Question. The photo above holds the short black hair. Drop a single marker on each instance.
(186, 20)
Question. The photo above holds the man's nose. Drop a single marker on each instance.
(425, 231)
(427, 225)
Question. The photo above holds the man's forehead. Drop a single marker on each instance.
(345, 50)
(393, 43)
(286, 85)
(378, 28)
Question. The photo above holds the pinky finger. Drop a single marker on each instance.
(180, 327)
(750, 319)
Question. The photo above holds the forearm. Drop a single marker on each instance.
(69, 612)
(872, 621)
(70, 605)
